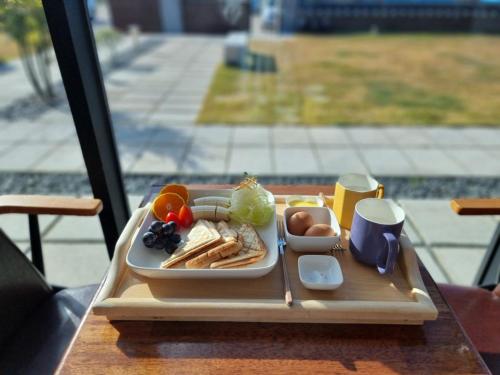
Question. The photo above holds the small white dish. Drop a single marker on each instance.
(321, 272)
(311, 199)
(320, 215)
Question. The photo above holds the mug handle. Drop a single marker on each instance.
(393, 246)
(380, 191)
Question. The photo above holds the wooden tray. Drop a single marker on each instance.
(364, 297)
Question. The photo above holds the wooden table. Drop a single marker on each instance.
(199, 347)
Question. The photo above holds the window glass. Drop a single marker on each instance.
(292, 91)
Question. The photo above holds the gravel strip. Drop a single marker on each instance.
(395, 187)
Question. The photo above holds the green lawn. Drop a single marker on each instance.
(8, 48)
(401, 79)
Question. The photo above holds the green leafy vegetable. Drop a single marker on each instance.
(251, 203)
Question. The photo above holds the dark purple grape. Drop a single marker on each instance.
(173, 225)
(149, 239)
(155, 227)
(160, 243)
(168, 228)
(170, 246)
(175, 238)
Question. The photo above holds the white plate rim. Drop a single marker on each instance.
(253, 272)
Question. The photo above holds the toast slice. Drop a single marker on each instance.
(238, 261)
(252, 251)
(230, 245)
(202, 235)
(214, 254)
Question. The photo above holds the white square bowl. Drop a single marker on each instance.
(320, 215)
(321, 272)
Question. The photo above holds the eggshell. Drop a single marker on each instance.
(320, 230)
(299, 222)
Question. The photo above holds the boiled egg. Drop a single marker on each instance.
(319, 230)
(298, 223)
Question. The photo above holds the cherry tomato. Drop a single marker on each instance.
(172, 216)
(186, 216)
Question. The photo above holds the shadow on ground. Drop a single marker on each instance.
(136, 137)
(258, 62)
(5, 67)
(31, 107)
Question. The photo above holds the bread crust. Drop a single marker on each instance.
(204, 235)
(219, 252)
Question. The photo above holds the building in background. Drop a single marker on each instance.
(386, 15)
(182, 16)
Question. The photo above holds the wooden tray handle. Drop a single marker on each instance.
(49, 205)
(476, 206)
(119, 257)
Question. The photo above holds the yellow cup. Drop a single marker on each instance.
(349, 190)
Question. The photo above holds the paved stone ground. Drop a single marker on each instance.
(154, 102)
(209, 150)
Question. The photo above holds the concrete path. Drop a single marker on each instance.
(155, 100)
(153, 148)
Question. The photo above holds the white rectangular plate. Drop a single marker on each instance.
(147, 262)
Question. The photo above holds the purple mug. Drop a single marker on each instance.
(375, 232)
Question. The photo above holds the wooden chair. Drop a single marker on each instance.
(489, 271)
(37, 320)
(478, 308)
